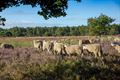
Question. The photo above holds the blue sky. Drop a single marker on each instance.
(77, 14)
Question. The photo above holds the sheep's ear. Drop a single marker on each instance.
(84, 47)
(65, 45)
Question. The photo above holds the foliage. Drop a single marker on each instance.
(112, 29)
(64, 70)
(2, 20)
(99, 25)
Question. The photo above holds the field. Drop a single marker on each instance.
(27, 63)
(27, 41)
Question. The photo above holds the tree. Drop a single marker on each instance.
(60, 31)
(99, 25)
(49, 8)
(8, 34)
(114, 29)
(30, 31)
(83, 30)
(2, 32)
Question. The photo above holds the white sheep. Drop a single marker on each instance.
(73, 49)
(96, 49)
(58, 48)
(47, 45)
(116, 46)
(38, 44)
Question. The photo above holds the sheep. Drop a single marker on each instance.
(96, 49)
(38, 44)
(59, 48)
(47, 45)
(73, 49)
(6, 46)
(116, 46)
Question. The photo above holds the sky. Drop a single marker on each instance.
(77, 14)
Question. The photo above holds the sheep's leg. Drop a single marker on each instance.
(48, 51)
(99, 54)
(95, 55)
(55, 52)
(82, 55)
(41, 49)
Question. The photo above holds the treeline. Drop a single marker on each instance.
(45, 31)
(96, 27)
(56, 31)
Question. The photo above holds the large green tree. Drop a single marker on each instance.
(48, 8)
(99, 25)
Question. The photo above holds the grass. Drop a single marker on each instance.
(16, 42)
(22, 44)
(27, 41)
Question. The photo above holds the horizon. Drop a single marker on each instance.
(77, 14)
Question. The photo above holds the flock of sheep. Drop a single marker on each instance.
(91, 46)
(53, 47)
